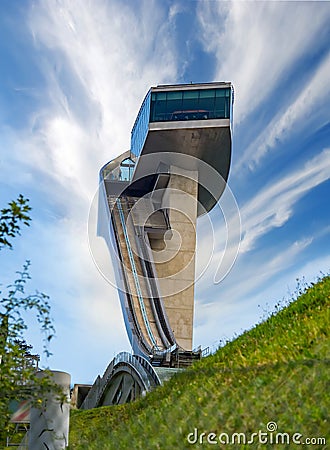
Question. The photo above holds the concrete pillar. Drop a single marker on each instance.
(49, 425)
(175, 263)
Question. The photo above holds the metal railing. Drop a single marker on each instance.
(141, 366)
(128, 305)
(148, 367)
(135, 275)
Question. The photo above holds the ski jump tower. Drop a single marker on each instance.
(151, 197)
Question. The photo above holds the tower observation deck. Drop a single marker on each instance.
(150, 198)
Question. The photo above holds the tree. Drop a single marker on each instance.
(17, 372)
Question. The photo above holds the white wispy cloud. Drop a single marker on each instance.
(258, 273)
(307, 111)
(257, 43)
(108, 69)
(273, 206)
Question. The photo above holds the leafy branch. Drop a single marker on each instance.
(16, 302)
(11, 218)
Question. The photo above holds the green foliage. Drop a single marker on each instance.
(278, 371)
(11, 218)
(16, 301)
(18, 379)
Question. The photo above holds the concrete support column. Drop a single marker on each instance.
(49, 425)
(175, 263)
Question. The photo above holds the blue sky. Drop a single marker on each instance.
(73, 75)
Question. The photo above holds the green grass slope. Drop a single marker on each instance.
(273, 376)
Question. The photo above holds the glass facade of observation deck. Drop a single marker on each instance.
(180, 105)
(198, 104)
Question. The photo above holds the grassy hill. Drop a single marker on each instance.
(273, 376)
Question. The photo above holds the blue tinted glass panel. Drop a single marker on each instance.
(207, 93)
(126, 169)
(124, 174)
(140, 128)
(196, 104)
(221, 92)
(158, 107)
(190, 101)
(227, 107)
(220, 110)
(152, 107)
(175, 95)
(222, 104)
(206, 102)
(174, 104)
